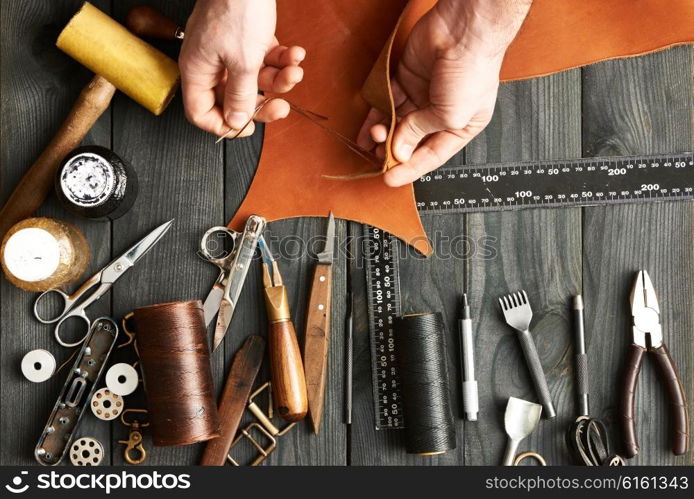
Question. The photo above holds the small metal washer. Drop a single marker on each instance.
(106, 405)
(86, 451)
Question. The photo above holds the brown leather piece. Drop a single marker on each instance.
(344, 38)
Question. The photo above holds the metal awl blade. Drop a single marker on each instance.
(326, 256)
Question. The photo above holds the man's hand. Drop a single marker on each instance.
(229, 53)
(446, 83)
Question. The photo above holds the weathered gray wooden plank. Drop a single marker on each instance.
(638, 106)
(427, 285)
(38, 86)
(295, 243)
(538, 251)
(535, 250)
(181, 176)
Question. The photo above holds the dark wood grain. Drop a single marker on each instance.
(39, 85)
(635, 106)
(181, 171)
(538, 251)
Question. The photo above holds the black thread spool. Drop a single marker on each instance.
(94, 182)
(421, 350)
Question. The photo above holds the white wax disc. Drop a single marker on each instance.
(32, 254)
(122, 379)
(38, 366)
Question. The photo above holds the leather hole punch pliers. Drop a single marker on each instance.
(648, 337)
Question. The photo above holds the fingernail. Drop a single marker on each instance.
(405, 152)
(237, 120)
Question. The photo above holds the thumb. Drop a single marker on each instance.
(412, 129)
(240, 97)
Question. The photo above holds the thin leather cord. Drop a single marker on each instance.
(421, 351)
(589, 445)
(173, 349)
(316, 119)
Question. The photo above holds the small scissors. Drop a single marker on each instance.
(233, 267)
(104, 279)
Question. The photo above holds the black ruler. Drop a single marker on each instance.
(579, 182)
(496, 187)
(383, 295)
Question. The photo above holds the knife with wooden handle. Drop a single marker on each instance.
(316, 340)
(317, 334)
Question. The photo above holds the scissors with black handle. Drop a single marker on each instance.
(75, 305)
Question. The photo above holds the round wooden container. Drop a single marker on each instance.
(42, 253)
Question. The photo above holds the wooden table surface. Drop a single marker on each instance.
(633, 106)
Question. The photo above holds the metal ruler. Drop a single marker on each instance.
(497, 187)
(579, 182)
(383, 294)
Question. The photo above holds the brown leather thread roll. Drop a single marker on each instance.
(173, 349)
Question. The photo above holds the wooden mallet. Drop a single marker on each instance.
(120, 60)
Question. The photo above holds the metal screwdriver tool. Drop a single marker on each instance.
(581, 357)
(467, 353)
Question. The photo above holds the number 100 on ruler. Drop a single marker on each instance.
(384, 306)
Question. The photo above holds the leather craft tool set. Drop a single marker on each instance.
(411, 381)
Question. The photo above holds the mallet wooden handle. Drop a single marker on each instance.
(145, 21)
(288, 381)
(38, 181)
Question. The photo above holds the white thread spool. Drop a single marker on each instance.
(42, 253)
(122, 379)
(38, 365)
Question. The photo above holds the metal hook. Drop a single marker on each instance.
(130, 334)
(134, 445)
(134, 442)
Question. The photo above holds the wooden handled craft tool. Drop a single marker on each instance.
(237, 390)
(317, 335)
(145, 21)
(287, 369)
(121, 61)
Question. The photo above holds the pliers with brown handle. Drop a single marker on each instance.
(648, 337)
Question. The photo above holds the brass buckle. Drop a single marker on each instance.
(264, 426)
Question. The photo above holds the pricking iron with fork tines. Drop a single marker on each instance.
(264, 426)
(518, 315)
(233, 266)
